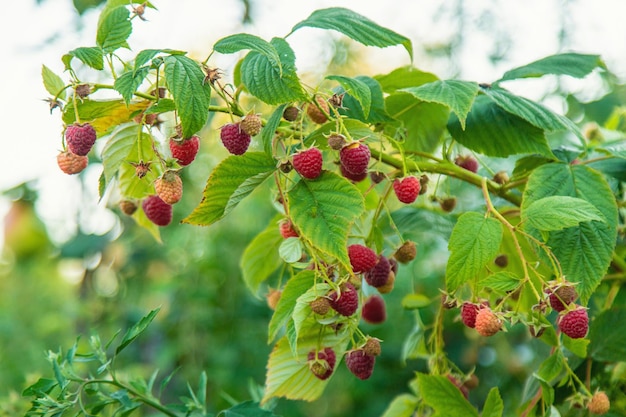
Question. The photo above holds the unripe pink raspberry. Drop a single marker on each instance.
(487, 323)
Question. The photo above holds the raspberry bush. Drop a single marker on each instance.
(538, 192)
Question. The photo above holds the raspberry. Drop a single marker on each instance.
(362, 258)
(385, 289)
(235, 140)
(457, 383)
(157, 210)
(82, 90)
(323, 365)
(251, 124)
(373, 310)
(351, 176)
(574, 323)
(80, 138)
(320, 305)
(315, 114)
(447, 204)
(308, 163)
(360, 363)
(487, 323)
(560, 297)
(355, 157)
(185, 151)
(169, 187)
(501, 177)
(406, 253)
(468, 314)
(346, 301)
(336, 141)
(128, 207)
(407, 189)
(272, 298)
(372, 346)
(286, 229)
(378, 276)
(599, 403)
(467, 162)
(291, 113)
(377, 177)
(71, 163)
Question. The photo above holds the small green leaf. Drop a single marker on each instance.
(357, 89)
(114, 28)
(403, 405)
(457, 95)
(551, 368)
(238, 42)
(144, 57)
(268, 131)
(475, 240)
(377, 112)
(295, 287)
(404, 77)
(303, 324)
(415, 301)
(559, 212)
(128, 83)
(357, 129)
(103, 114)
(494, 407)
(52, 82)
(260, 258)
(290, 250)
(246, 409)
(91, 56)
(185, 80)
(572, 64)
(42, 386)
(492, 131)
(133, 332)
(230, 182)
(607, 344)
(356, 27)
(501, 281)
(445, 398)
(119, 146)
(323, 210)
(162, 106)
(577, 346)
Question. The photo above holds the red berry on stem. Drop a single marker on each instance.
(185, 151)
(352, 177)
(157, 210)
(379, 274)
(362, 258)
(360, 363)
(286, 229)
(374, 310)
(346, 301)
(467, 162)
(323, 365)
(407, 189)
(574, 323)
(468, 314)
(308, 163)
(235, 140)
(80, 138)
(355, 157)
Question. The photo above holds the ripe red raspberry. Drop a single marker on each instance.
(185, 150)
(360, 363)
(169, 187)
(468, 314)
(407, 189)
(286, 229)
(599, 403)
(378, 276)
(251, 124)
(71, 163)
(80, 138)
(574, 323)
(467, 162)
(374, 311)
(487, 323)
(560, 297)
(308, 163)
(315, 114)
(352, 177)
(355, 157)
(362, 258)
(346, 302)
(406, 253)
(235, 140)
(157, 210)
(323, 365)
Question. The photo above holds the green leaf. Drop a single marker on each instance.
(42, 386)
(185, 80)
(457, 95)
(290, 377)
(230, 182)
(501, 281)
(103, 114)
(404, 77)
(377, 112)
(128, 83)
(551, 368)
(91, 56)
(268, 131)
(303, 323)
(144, 56)
(52, 82)
(494, 407)
(235, 43)
(403, 405)
(268, 82)
(357, 129)
(422, 124)
(162, 106)
(295, 287)
(246, 409)
(356, 27)
(585, 250)
(357, 89)
(323, 210)
(114, 28)
(492, 131)
(534, 113)
(290, 250)
(577, 346)
(475, 240)
(133, 332)
(607, 344)
(559, 212)
(119, 146)
(445, 398)
(260, 258)
(572, 64)
(414, 301)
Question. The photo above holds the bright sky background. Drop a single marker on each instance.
(31, 36)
